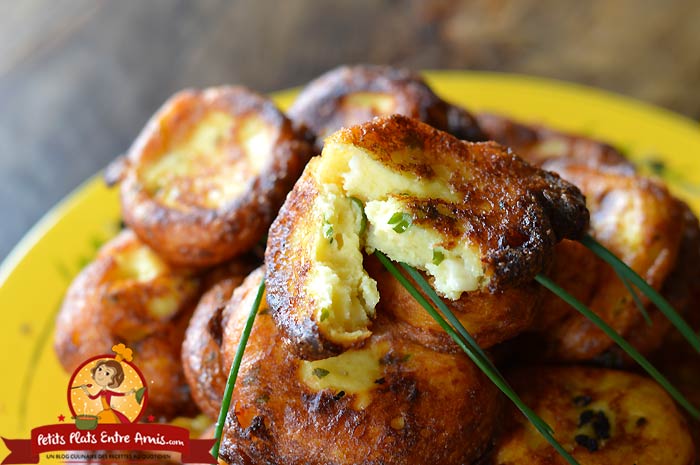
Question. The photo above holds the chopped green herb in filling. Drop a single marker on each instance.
(357, 203)
(401, 221)
(438, 257)
(328, 231)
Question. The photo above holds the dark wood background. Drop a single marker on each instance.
(78, 78)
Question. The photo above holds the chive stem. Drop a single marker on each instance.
(465, 341)
(662, 304)
(624, 345)
(235, 366)
(637, 300)
(447, 313)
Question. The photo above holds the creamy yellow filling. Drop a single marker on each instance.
(203, 168)
(620, 216)
(552, 147)
(454, 270)
(353, 372)
(363, 177)
(163, 307)
(344, 295)
(379, 103)
(140, 264)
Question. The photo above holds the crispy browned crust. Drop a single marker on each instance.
(514, 211)
(289, 266)
(608, 180)
(201, 349)
(662, 225)
(644, 423)
(449, 408)
(676, 359)
(490, 318)
(323, 107)
(682, 290)
(100, 311)
(537, 144)
(195, 235)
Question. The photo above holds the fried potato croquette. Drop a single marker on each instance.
(602, 417)
(129, 295)
(390, 402)
(643, 224)
(635, 217)
(676, 359)
(203, 181)
(490, 317)
(473, 216)
(201, 349)
(537, 144)
(682, 290)
(681, 365)
(351, 95)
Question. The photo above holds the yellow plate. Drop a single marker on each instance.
(35, 275)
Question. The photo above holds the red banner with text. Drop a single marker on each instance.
(122, 437)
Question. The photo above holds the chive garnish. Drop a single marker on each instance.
(401, 221)
(624, 345)
(320, 372)
(628, 273)
(235, 366)
(469, 346)
(637, 300)
(438, 257)
(363, 221)
(328, 231)
(438, 302)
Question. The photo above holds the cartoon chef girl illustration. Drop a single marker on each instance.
(109, 375)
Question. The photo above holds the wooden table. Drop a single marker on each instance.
(78, 78)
